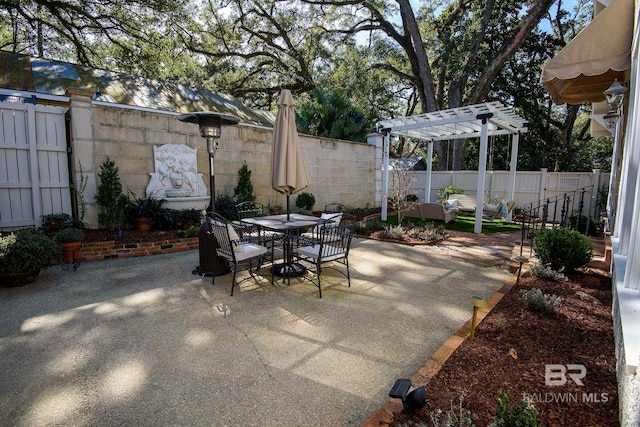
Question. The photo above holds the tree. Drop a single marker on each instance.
(76, 30)
(469, 42)
(253, 48)
(243, 192)
(109, 196)
(332, 116)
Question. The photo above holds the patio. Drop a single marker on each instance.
(143, 341)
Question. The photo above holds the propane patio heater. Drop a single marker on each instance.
(211, 264)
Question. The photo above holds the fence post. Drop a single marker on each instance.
(375, 139)
(543, 183)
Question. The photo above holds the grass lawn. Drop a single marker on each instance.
(462, 223)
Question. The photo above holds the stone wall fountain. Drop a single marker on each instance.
(176, 179)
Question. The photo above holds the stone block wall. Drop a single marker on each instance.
(339, 171)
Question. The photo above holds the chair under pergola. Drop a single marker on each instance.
(473, 121)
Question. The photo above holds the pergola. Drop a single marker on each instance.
(473, 121)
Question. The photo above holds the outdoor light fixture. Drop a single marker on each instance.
(611, 118)
(210, 128)
(411, 401)
(615, 95)
(477, 303)
(211, 264)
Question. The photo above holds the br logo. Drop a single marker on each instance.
(557, 374)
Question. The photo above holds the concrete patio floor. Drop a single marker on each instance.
(143, 341)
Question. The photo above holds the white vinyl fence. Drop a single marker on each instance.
(530, 186)
(34, 171)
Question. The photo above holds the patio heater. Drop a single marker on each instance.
(211, 264)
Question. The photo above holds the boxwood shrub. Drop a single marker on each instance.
(562, 247)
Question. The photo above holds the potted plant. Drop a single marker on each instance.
(56, 221)
(23, 255)
(146, 210)
(70, 240)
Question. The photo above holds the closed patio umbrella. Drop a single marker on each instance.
(288, 171)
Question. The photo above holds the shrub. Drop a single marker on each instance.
(190, 232)
(150, 208)
(68, 235)
(27, 251)
(430, 233)
(579, 222)
(522, 415)
(305, 201)
(185, 218)
(561, 247)
(53, 222)
(226, 206)
(546, 272)
(298, 210)
(244, 189)
(445, 192)
(536, 301)
(394, 232)
(454, 417)
(109, 196)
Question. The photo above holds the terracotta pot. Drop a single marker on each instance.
(143, 223)
(10, 280)
(70, 251)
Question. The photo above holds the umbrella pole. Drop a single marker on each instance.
(287, 207)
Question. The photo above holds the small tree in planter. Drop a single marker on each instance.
(244, 189)
(23, 255)
(305, 201)
(109, 196)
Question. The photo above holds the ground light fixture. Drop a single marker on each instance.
(412, 401)
(210, 123)
(477, 303)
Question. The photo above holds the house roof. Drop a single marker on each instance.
(46, 77)
(408, 164)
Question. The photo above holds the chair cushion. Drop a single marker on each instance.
(494, 208)
(233, 236)
(451, 204)
(335, 217)
(249, 250)
(314, 251)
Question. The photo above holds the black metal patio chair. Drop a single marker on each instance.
(332, 247)
(242, 253)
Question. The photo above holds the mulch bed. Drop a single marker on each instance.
(129, 236)
(512, 345)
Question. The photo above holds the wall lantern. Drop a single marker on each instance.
(615, 95)
(210, 124)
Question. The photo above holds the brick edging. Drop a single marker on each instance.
(392, 407)
(97, 251)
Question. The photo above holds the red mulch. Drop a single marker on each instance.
(580, 333)
(129, 236)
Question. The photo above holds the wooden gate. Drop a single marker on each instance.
(34, 170)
